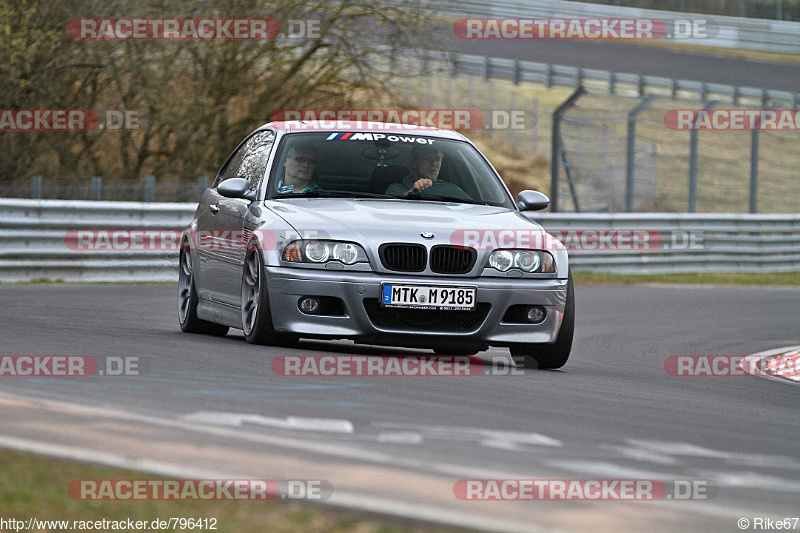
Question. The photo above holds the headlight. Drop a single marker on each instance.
(525, 260)
(345, 252)
(502, 260)
(317, 251)
(323, 252)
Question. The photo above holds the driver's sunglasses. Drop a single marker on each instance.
(303, 160)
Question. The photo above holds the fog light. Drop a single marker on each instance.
(535, 314)
(309, 304)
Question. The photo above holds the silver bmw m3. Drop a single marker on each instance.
(392, 234)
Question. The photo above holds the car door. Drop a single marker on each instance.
(234, 221)
(210, 260)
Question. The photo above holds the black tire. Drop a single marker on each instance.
(256, 317)
(187, 301)
(555, 355)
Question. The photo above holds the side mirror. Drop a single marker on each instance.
(532, 201)
(236, 188)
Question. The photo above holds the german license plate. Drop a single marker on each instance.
(428, 297)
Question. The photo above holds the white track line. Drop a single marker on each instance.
(344, 499)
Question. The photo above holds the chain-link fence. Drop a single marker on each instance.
(617, 152)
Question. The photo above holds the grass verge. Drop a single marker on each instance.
(36, 487)
(704, 278)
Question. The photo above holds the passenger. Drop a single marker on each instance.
(299, 170)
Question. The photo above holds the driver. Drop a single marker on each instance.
(426, 162)
(298, 170)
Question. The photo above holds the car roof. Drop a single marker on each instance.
(323, 126)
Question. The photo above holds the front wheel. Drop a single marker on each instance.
(555, 355)
(256, 317)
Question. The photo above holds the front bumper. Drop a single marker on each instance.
(360, 291)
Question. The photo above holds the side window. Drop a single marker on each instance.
(256, 155)
(233, 165)
(250, 160)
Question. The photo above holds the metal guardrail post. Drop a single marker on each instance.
(693, 139)
(202, 185)
(612, 78)
(548, 81)
(535, 126)
(36, 187)
(754, 141)
(512, 128)
(630, 163)
(555, 148)
(490, 96)
(149, 188)
(96, 188)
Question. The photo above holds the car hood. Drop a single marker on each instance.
(377, 221)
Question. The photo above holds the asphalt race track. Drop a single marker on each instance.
(637, 59)
(398, 444)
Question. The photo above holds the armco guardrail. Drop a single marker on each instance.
(678, 243)
(33, 247)
(569, 76)
(734, 32)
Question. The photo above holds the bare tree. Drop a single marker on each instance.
(197, 98)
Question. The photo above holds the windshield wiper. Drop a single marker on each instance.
(334, 194)
(440, 198)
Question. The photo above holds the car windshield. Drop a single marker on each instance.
(389, 166)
